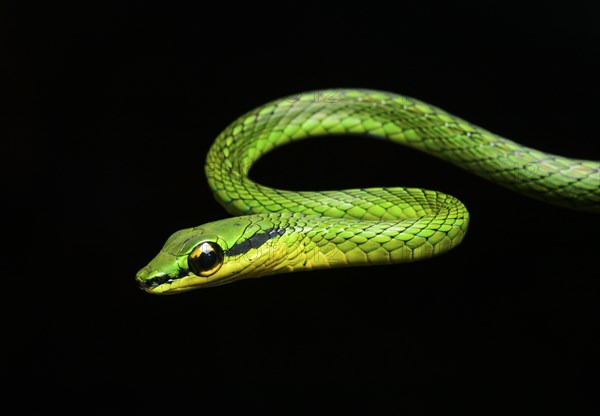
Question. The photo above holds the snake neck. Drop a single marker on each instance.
(290, 242)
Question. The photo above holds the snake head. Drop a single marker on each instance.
(195, 258)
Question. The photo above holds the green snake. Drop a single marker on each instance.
(280, 231)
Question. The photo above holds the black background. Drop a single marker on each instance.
(116, 106)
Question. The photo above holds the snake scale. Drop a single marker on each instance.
(279, 231)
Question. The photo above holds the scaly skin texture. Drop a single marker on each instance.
(279, 231)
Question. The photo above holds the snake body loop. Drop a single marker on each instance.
(278, 231)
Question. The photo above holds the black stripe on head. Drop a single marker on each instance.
(255, 241)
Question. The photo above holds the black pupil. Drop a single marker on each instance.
(206, 260)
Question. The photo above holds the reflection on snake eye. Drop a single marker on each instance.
(205, 259)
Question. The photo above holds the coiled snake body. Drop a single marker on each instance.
(279, 231)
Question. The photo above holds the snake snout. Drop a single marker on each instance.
(148, 278)
(143, 274)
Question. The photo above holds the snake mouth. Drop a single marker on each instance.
(163, 284)
(157, 280)
(154, 282)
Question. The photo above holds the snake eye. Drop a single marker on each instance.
(205, 259)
